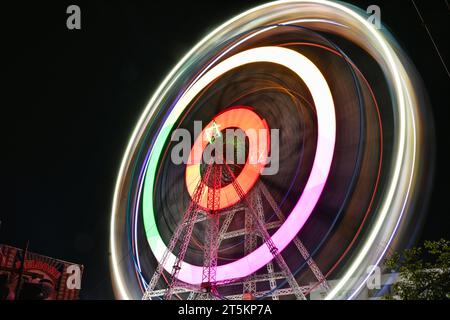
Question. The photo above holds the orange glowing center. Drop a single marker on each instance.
(257, 132)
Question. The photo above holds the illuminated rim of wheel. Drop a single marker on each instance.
(407, 154)
(317, 85)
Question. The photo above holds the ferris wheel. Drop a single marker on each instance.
(323, 114)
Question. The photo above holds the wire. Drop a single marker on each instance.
(431, 37)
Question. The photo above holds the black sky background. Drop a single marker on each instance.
(77, 95)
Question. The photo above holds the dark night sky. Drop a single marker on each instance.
(78, 94)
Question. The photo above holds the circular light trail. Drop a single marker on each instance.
(318, 87)
(239, 42)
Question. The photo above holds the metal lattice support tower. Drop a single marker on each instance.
(301, 248)
(192, 295)
(278, 292)
(241, 232)
(249, 246)
(212, 231)
(255, 225)
(257, 204)
(184, 230)
(196, 292)
(225, 225)
(272, 281)
(268, 241)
